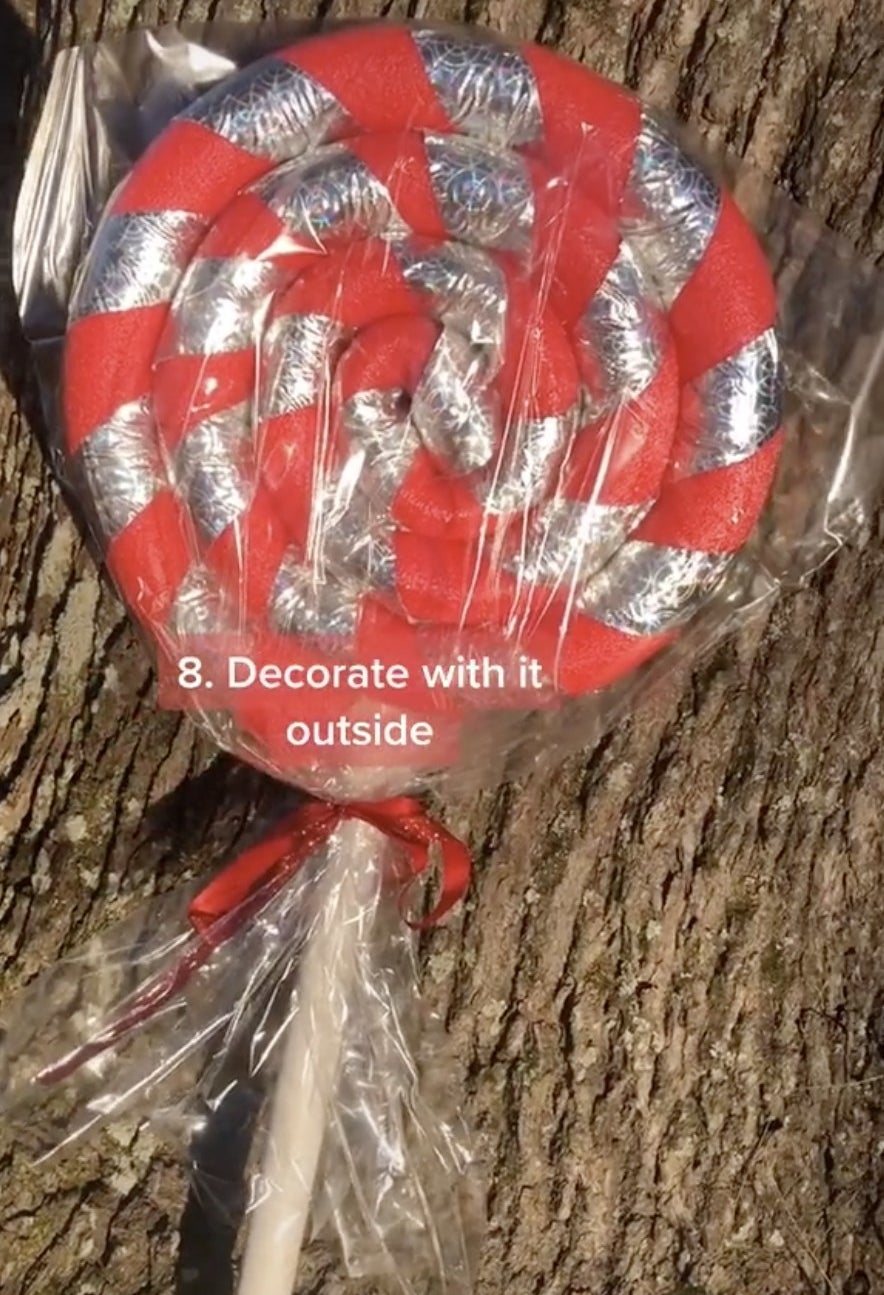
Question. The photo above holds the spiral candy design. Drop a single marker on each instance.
(403, 342)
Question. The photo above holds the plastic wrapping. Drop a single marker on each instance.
(426, 399)
(313, 995)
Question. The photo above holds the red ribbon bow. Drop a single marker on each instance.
(241, 890)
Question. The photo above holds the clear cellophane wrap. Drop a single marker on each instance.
(427, 400)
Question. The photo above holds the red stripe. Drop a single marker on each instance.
(728, 301)
(377, 75)
(248, 228)
(435, 504)
(622, 458)
(388, 355)
(714, 512)
(375, 288)
(591, 656)
(107, 363)
(400, 163)
(247, 555)
(188, 168)
(589, 125)
(188, 389)
(151, 557)
(538, 376)
(575, 241)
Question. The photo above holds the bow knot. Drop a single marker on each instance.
(258, 874)
(250, 882)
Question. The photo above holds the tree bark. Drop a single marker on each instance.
(664, 993)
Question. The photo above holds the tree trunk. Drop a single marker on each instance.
(664, 993)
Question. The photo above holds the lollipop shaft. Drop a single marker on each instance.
(310, 1062)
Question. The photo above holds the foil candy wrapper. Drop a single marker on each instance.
(671, 210)
(650, 588)
(466, 286)
(214, 470)
(379, 427)
(296, 362)
(738, 407)
(123, 466)
(486, 89)
(217, 308)
(137, 259)
(483, 197)
(623, 330)
(305, 604)
(271, 109)
(330, 193)
(567, 542)
(453, 408)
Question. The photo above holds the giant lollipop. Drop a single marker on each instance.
(401, 346)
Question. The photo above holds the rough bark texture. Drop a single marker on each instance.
(665, 992)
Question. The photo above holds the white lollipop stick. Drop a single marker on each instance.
(311, 1058)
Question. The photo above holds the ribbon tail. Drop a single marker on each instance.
(143, 1007)
(406, 822)
(242, 889)
(255, 876)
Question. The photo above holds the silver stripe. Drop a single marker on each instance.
(531, 455)
(740, 407)
(137, 259)
(454, 409)
(298, 355)
(363, 553)
(123, 466)
(217, 307)
(623, 331)
(467, 287)
(304, 604)
(199, 605)
(214, 469)
(483, 197)
(270, 109)
(330, 193)
(352, 538)
(378, 425)
(651, 588)
(671, 209)
(568, 541)
(485, 88)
